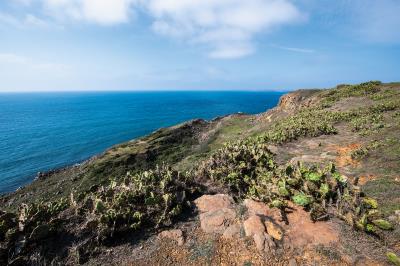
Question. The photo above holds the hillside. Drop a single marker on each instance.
(315, 180)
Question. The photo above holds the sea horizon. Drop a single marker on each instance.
(45, 131)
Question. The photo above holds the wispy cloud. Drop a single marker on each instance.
(295, 49)
(227, 28)
(27, 21)
(11, 59)
(104, 12)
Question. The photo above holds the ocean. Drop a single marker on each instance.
(44, 131)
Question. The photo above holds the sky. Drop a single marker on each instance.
(92, 45)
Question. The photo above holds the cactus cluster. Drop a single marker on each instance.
(33, 223)
(345, 91)
(249, 170)
(146, 199)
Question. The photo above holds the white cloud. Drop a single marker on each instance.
(295, 49)
(105, 12)
(31, 20)
(10, 59)
(25, 22)
(18, 73)
(227, 27)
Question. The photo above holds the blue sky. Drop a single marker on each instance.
(58, 45)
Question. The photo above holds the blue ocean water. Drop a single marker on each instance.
(44, 131)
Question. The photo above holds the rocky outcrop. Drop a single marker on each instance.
(174, 234)
(217, 221)
(217, 213)
(264, 225)
(209, 203)
(297, 99)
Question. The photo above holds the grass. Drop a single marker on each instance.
(387, 191)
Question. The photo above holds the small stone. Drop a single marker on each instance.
(273, 230)
(259, 240)
(270, 245)
(233, 231)
(393, 219)
(209, 203)
(273, 149)
(292, 262)
(217, 221)
(175, 235)
(253, 225)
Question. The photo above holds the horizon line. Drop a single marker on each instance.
(150, 90)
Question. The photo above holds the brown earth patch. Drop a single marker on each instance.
(302, 232)
(364, 179)
(344, 154)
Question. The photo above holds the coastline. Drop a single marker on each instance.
(57, 145)
(40, 176)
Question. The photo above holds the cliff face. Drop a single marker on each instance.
(297, 100)
(270, 168)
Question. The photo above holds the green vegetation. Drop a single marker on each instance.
(148, 199)
(250, 172)
(346, 91)
(151, 199)
(393, 258)
(125, 191)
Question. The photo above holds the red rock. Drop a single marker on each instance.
(259, 240)
(261, 209)
(209, 203)
(175, 234)
(253, 225)
(233, 231)
(217, 221)
(273, 230)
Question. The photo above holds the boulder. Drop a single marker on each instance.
(217, 221)
(261, 209)
(264, 243)
(208, 203)
(273, 230)
(253, 226)
(270, 245)
(175, 235)
(259, 241)
(233, 231)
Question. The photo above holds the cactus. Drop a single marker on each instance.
(383, 224)
(370, 203)
(393, 258)
(302, 199)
